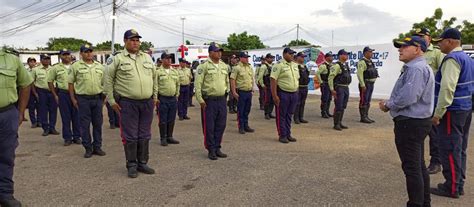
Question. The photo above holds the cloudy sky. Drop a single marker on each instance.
(29, 23)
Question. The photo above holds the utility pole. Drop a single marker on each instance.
(297, 33)
(182, 29)
(114, 10)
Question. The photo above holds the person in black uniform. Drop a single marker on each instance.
(303, 88)
(232, 102)
(339, 80)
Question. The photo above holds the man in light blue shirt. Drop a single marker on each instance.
(411, 106)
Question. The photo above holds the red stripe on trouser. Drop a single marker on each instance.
(362, 97)
(238, 119)
(203, 112)
(278, 120)
(453, 174)
(448, 122)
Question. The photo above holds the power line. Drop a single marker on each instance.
(278, 35)
(20, 9)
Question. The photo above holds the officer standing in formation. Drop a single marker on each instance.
(264, 81)
(284, 85)
(452, 115)
(242, 81)
(212, 87)
(260, 88)
(33, 104)
(59, 74)
(367, 74)
(184, 81)
(302, 89)
(85, 89)
(48, 107)
(191, 85)
(159, 63)
(168, 93)
(114, 119)
(232, 103)
(131, 90)
(15, 89)
(339, 80)
(323, 75)
(433, 57)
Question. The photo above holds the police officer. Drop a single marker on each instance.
(284, 85)
(85, 89)
(212, 87)
(302, 89)
(264, 81)
(13, 76)
(33, 103)
(59, 74)
(191, 85)
(184, 81)
(232, 103)
(367, 74)
(131, 76)
(47, 104)
(114, 119)
(452, 115)
(323, 74)
(168, 92)
(261, 96)
(159, 63)
(242, 80)
(339, 80)
(433, 57)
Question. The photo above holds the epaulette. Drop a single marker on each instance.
(116, 52)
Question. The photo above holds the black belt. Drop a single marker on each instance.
(43, 90)
(161, 96)
(303, 86)
(404, 118)
(238, 90)
(214, 98)
(62, 90)
(6, 108)
(91, 97)
(184, 85)
(129, 99)
(280, 90)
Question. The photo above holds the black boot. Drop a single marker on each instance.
(169, 137)
(324, 113)
(88, 153)
(296, 115)
(340, 121)
(248, 129)
(212, 155)
(337, 121)
(163, 134)
(142, 157)
(9, 202)
(302, 120)
(130, 148)
(267, 116)
(231, 110)
(363, 118)
(367, 114)
(327, 109)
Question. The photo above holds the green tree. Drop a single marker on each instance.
(105, 46)
(299, 42)
(243, 41)
(144, 46)
(189, 42)
(58, 43)
(467, 34)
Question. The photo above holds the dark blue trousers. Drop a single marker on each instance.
(114, 119)
(69, 117)
(167, 109)
(326, 96)
(453, 133)
(136, 117)
(285, 111)
(213, 120)
(299, 109)
(33, 109)
(191, 93)
(366, 97)
(90, 111)
(48, 109)
(8, 144)
(244, 104)
(434, 148)
(268, 100)
(183, 101)
(260, 96)
(342, 97)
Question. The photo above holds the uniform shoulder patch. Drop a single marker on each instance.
(110, 60)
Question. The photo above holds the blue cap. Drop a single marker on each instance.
(44, 56)
(269, 55)
(131, 33)
(450, 33)
(422, 32)
(288, 50)
(86, 47)
(181, 60)
(367, 48)
(342, 52)
(165, 56)
(64, 51)
(214, 47)
(412, 41)
(329, 54)
(300, 54)
(243, 55)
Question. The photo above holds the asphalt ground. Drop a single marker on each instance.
(356, 167)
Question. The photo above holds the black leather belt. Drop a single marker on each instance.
(214, 98)
(91, 97)
(6, 108)
(63, 91)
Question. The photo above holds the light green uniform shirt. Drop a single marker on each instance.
(88, 79)
(12, 75)
(243, 76)
(450, 72)
(257, 70)
(185, 76)
(433, 57)
(131, 76)
(287, 75)
(361, 67)
(263, 72)
(323, 69)
(211, 80)
(59, 73)
(334, 71)
(40, 76)
(168, 81)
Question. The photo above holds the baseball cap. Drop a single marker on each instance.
(421, 32)
(243, 55)
(44, 56)
(181, 60)
(269, 55)
(411, 41)
(86, 47)
(165, 55)
(64, 51)
(131, 33)
(367, 48)
(289, 50)
(450, 33)
(329, 54)
(342, 52)
(214, 47)
(300, 54)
